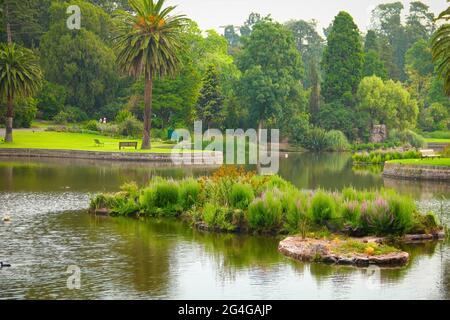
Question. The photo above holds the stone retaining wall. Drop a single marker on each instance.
(418, 172)
(212, 158)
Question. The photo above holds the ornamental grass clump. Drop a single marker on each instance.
(189, 193)
(323, 207)
(241, 196)
(265, 213)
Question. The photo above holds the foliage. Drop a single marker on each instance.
(441, 49)
(278, 206)
(269, 77)
(264, 214)
(407, 137)
(210, 108)
(20, 76)
(241, 196)
(25, 111)
(387, 103)
(323, 207)
(316, 140)
(148, 43)
(130, 127)
(189, 193)
(377, 157)
(337, 141)
(342, 60)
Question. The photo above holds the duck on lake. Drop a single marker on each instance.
(4, 265)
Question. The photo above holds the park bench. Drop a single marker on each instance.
(428, 154)
(128, 144)
(98, 143)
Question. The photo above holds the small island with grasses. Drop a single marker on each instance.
(348, 227)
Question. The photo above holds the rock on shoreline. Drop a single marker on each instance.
(320, 250)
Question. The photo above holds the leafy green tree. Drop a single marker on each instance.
(51, 100)
(310, 45)
(80, 62)
(386, 20)
(387, 103)
(441, 49)
(373, 65)
(251, 21)
(210, 107)
(419, 22)
(343, 59)
(271, 71)
(20, 76)
(314, 96)
(435, 117)
(24, 22)
(371, 41)
(420, 69)
(148, 43)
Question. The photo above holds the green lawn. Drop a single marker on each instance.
(424, 162)
(433, 140)
(74, 141)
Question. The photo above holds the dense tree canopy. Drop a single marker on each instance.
(343, 59)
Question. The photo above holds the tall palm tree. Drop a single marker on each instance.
(441, 49)
(20, 76)
(149, 42)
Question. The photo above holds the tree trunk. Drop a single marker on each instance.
(8, 26)
(9, 119)
(258, 147)
(146, 145)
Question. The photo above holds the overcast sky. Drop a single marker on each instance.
(212, 14)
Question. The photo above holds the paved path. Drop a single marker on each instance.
(2, 130)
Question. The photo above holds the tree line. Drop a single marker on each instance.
(262, 73)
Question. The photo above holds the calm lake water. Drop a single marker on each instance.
(153, 259)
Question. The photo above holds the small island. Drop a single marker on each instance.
(419, 169)
(349, 227)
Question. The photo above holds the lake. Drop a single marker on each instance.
(124, 258)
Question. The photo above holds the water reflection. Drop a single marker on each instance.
(151, 259)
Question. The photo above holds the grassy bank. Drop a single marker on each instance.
(424, 162)
(76, 141)
(379, 157)
(238, 201)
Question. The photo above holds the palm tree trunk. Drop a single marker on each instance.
(9, 119)
(147, 112)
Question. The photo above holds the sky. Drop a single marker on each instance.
(213, 14)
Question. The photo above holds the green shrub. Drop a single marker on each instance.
(407, 137)
(337, 141)
(323, 207)
(316, 140)
(403, 209)
(351, 212)
(108, 129)
(376, 217)
(147, 201)
(124, 206)
(123, 115)
(130, 127)
(161, 198)
(218, 217)
(25, 110)
(241, 196)
(265, 213)
(189, 193)
(446, 152)
(167, 194)
(92, 125)
(295, 208)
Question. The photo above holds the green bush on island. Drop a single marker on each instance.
(377, 157)
(235, 200)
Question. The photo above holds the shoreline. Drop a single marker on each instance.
(203, 158)
(416, 172)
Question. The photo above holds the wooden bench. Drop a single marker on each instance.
(98, 143)
(127, 144)
(428, 154)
